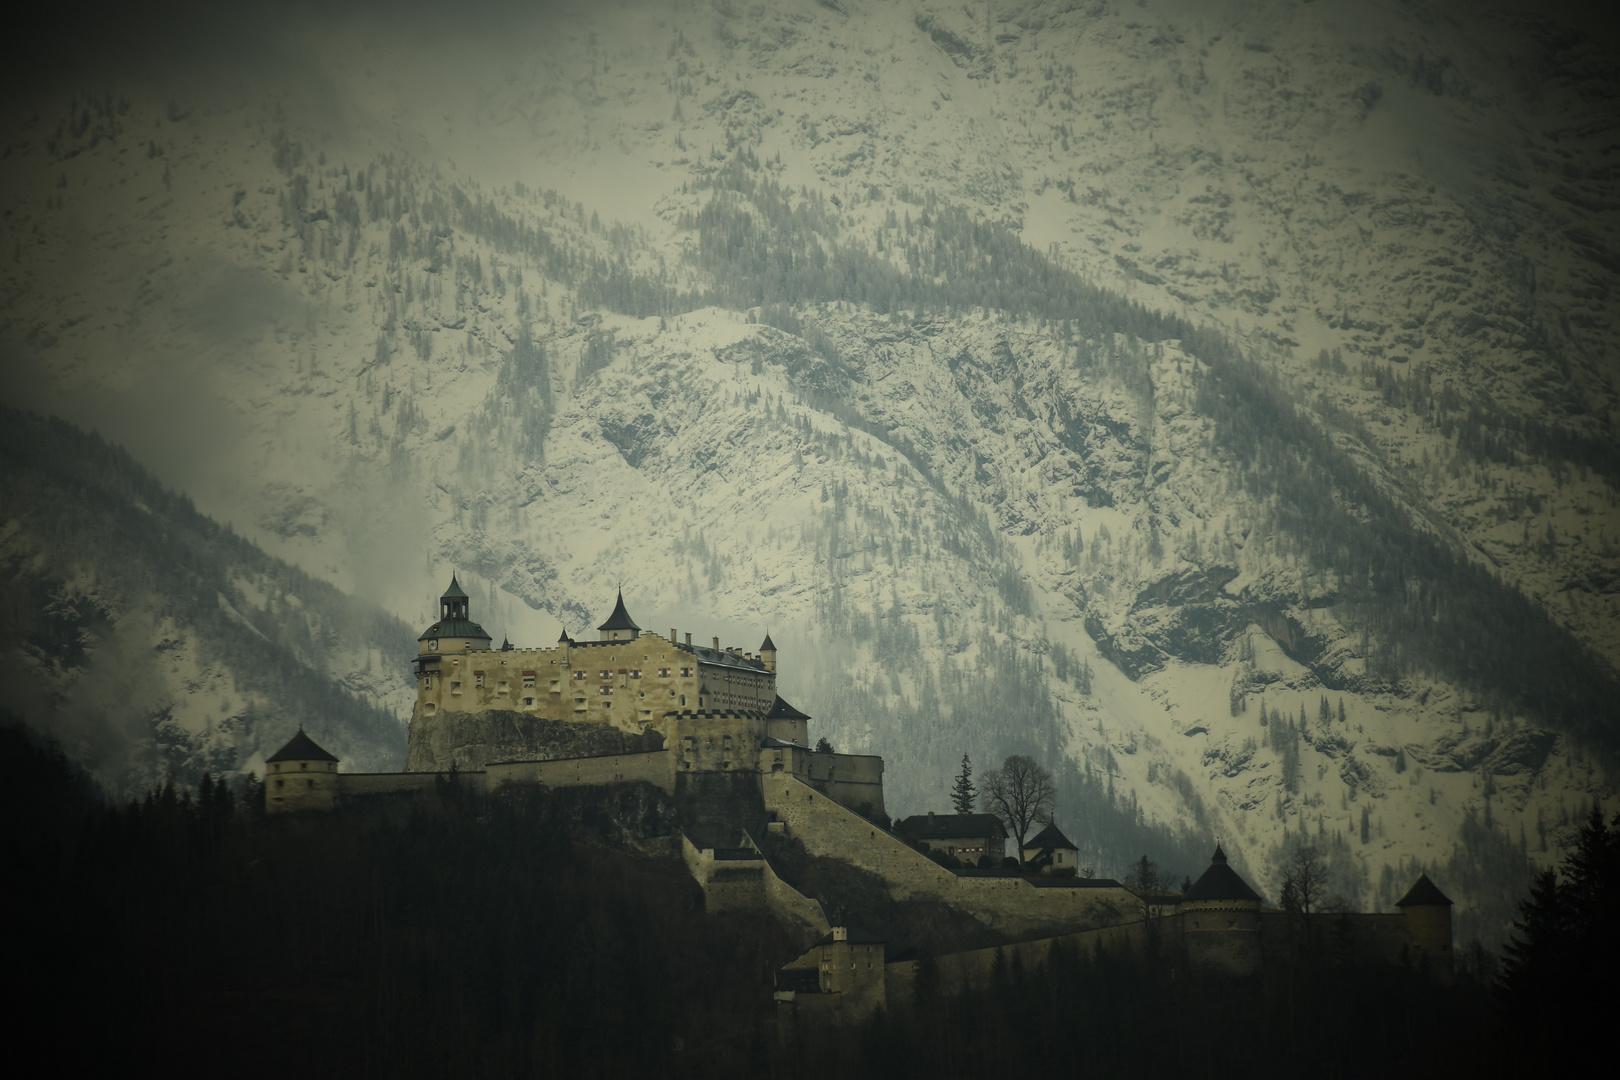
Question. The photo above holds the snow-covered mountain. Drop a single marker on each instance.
(152, 643)
(1073, 379)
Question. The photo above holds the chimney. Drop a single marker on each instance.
(672, 635)
(716, 644)
(688, 640)
(840, 933)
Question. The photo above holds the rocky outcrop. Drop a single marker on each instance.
(472, 740)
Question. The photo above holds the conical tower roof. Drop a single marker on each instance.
(454, 592)
(767, 645)
(563, 638)
(301, 748)
(1424, 893)
(1220, 882)
(620, 619)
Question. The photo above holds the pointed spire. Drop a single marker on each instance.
(620, 619)
(767, 645)
(454, 592)
(563, 638)
(1219, 856)
(1424, 893)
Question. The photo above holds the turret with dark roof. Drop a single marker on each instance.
(1220, 884)
(300, 748)
(1423, 893)
(619, 626)
(455, 623)
(300, 776)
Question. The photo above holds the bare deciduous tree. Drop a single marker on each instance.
(1020, 794)
(1304, 882)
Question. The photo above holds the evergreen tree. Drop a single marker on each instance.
(963, 793)
(1566, 930)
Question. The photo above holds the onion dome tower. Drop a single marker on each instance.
(619, 626)
(455, 631)
(1220, 920)
(302, 776)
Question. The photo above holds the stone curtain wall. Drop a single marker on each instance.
(471, 740)
(651, 767)
(829, 830)
(356, 785)
(1009, 905)
(855, 780)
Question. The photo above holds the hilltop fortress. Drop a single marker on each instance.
(742, 795)
(660, 707)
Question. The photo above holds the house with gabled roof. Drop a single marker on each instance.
(966, 837)
(1050, 852)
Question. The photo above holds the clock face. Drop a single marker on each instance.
(433, 645)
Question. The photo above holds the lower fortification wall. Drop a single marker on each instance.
(1010, 905)
(828, 829)
(651, 767)
(359, 785)
(964, 970)
(471, 740)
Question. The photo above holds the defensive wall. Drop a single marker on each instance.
(742, 879)
(855, 780)
(651, 767)
(1011, 904)
(358, 785)
(470, 740)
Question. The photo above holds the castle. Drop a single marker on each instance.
(705, 726)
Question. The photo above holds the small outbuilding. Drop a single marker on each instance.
(1050, 852)
(968, 837)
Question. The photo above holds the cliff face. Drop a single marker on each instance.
(471, 740)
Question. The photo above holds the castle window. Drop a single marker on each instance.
(663, 673)
(455, 686)
(607, 674)
(528, 680)
(683, 699)
(478, 677)
(500, 688)
(686, 673)
(636, 674)
(604, 690)
(281, 783)
(578, 675)
(311, 783)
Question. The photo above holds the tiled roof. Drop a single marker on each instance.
(1049, 837)
(946, 826)
(451, 628)
(620, 619)
(781, 710)
(1423, 893)
(1220, 882)
(301, 748)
